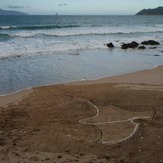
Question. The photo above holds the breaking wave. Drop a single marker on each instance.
(37, 27)
(44, 34)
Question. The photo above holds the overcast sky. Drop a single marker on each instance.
(79, 7)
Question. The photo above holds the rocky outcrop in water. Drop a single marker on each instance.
(110, 45)
(132, 45)
(150, 42)
(141, 47)
(135, 45)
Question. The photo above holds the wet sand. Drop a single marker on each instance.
(152, 77)
(14, 97)
(117, 119)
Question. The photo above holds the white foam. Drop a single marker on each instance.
(159, 25)
(19, 91)
(24, 34)
(7, 27)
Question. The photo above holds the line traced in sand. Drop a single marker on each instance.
(137, 125)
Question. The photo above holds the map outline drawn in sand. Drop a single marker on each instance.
(110, 143)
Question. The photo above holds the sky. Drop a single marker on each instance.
(79, 7)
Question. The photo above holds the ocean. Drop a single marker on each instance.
(43, 50)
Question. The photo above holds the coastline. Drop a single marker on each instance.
(152, 76)
(90, 64)
(14, 98)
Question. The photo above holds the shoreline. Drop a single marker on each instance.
(151, 77)
(90, 64)
(15, 97)
(139, 77)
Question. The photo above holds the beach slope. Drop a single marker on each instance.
(117, 119)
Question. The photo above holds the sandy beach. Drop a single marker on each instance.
(116, 119)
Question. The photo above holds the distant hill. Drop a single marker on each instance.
(156, 11)
(8, 12)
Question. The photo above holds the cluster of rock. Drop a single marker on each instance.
(134, 44)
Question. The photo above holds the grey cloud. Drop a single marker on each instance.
(62, 4)
(17, 7)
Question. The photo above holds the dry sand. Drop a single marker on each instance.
(118, 119)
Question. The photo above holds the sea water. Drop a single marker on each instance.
(42, 50)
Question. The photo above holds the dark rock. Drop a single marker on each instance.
(153, 47)
(125, 46)
(141, 47)
(150, 42)
(110, 45)
(156, 55)
(132, 45)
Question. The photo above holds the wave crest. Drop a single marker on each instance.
(38, 27)
(32, 35)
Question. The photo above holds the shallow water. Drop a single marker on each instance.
(23, 72)
(41, 50)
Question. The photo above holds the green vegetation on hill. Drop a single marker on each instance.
(156, 11)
